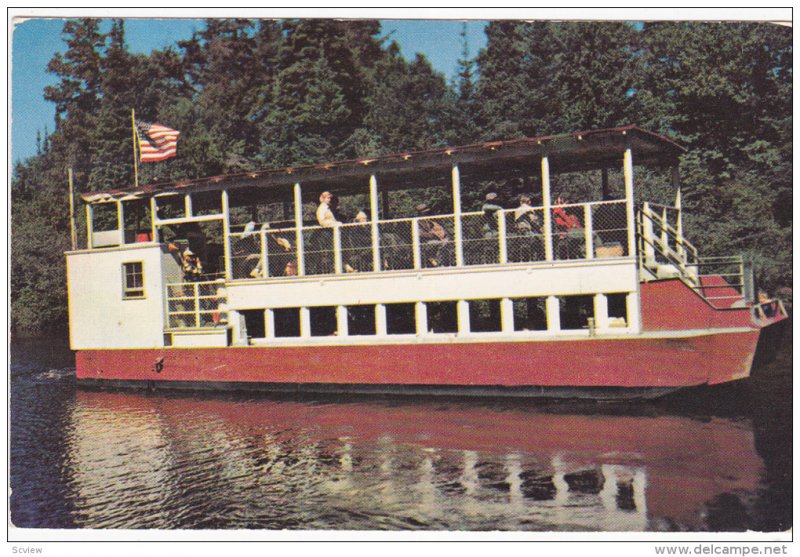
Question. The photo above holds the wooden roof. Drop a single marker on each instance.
(566, 153)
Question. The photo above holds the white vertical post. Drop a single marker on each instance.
(462, 311)
(634, 312)
(634, 307)
(553, 309)
(263, 259)
(196, 294)
(679, 223)
(341, 321)
(501, 234)
(90, 225)
(305, 322)
(507, 315)
(664, 230)
(226, 229)
(153, 219)
(422, 318)
(457, 232)
(415, 243)
(601, 312)
(374, 216)
(298, 223)
(380, 320)
(337, 249)
(548, 217)
(628, 171)
(588, 228)
(647, 234)
(269, 323)
(187, 203)
(121, 223)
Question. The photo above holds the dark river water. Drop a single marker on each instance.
(716, 459)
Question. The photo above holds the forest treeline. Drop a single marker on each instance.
(255, 94)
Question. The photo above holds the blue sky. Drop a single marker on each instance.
(35, 41)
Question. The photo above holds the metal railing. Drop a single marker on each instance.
(664, 252)
(196, 305)
(578, 231)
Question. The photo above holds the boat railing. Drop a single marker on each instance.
(661, 227)
(578, 231)
(196, 305)
(665, 253)
(721, 279)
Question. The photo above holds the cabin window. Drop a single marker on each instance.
(206, 203)
(484, 316)
(133, 280)
(104, 217)
(137, 221)
(442, 317)
(171, 207)
(361, 320)
(401, 319)
(323, 321)
(617, 309)
(254, 322)
(287, 322)
(575, 311)
(530, 314)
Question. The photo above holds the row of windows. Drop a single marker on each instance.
(529, 314)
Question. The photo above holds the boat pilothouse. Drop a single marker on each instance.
(470, 270)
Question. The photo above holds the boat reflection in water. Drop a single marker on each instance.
(169, 461)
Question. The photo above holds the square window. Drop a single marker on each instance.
(442, 317)
(361, 320)
(133, 280)
(401, 319)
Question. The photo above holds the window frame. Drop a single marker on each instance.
(132, 292)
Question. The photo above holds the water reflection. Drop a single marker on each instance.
(168, 461)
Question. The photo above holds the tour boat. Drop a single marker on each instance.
(430, 277)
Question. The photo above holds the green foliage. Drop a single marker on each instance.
(262, 94)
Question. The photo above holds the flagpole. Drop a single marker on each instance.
(135, 162)
(73, 235)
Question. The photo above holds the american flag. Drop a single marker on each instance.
(156, 142)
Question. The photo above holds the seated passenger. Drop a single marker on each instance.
(357, 243)
(433, 239)
(571, 240)
(246, 256)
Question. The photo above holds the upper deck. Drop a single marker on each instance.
(445, 225)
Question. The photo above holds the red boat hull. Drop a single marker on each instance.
(590, 363)
(686, 343)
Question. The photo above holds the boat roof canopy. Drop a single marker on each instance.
(571, 152)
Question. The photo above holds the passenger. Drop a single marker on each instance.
(325, 216)
(291, 269)
(766, 305)
(571, 239)
(247, 253)
(433, 239)
(191, 266)
(526, 242)
(357, 241)
(491, 211)
(525, 219)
